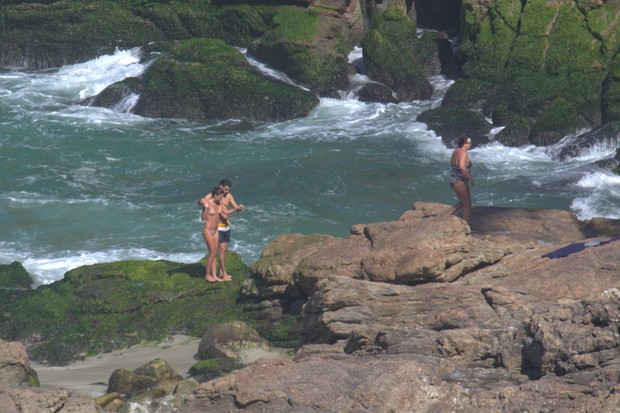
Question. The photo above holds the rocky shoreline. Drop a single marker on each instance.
(429, 314)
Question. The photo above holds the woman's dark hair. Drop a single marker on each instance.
(462, 140)
(217, 191)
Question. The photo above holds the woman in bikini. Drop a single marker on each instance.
(460, 178)
(212, 213)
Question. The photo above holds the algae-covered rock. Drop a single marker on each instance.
(611, 94)
(547, 62)
(516, 128)
(14, 276)
(451, 123)
(309, 45)
(390, 58)
(15, 282)
(154, 379)
(207, 79)
(116, 93)
(40, 35)
(98, 308)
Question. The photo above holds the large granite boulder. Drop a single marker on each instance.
(423, 248)
(229, 340)
(15, 369)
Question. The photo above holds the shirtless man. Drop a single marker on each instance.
(213, 212)
(224, 226)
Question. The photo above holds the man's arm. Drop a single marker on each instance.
(234, 204)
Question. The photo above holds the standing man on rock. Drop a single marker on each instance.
(224, 225)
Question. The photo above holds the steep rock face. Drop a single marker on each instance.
(390, 58)
(546, 62)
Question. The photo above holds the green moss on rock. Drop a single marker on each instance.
(469, 93)
(488, 41)
(451, 123)
(611, 94)
(558, 121)
(389, 56)
(207, 79)
(73, 31)
(543, 58)
(102, 307)
(516, 130)
(14, 276)
(297, 46)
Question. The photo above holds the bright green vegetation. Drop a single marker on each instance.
(102, 307)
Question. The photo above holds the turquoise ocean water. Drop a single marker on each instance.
(81, 185)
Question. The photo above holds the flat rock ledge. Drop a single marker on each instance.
(429, 314)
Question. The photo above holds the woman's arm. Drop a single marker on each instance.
(203, 201)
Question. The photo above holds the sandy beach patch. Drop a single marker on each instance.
(90, 376)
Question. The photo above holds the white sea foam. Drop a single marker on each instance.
(83, 79)
(31, 198)
(601, 180)
(99, 73)
(270, 72)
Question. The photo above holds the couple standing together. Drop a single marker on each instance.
(216, 230)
